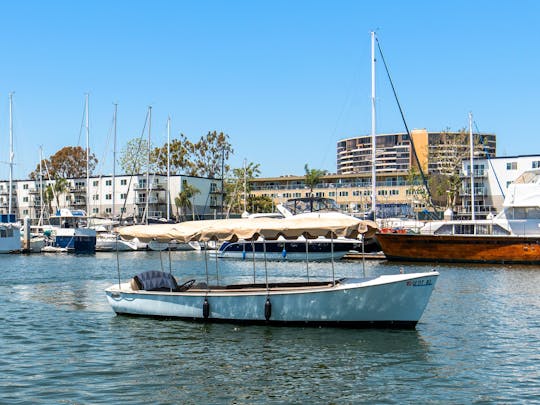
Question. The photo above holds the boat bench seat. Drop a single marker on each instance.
(154, 280)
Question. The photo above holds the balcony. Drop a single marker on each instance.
(153, 186)
(478, 173)
(151, 200)
(6, 191)
(77, 189)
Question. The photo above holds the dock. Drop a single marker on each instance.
(367, 256)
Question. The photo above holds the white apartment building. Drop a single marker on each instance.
(132, 196)
(491, 180)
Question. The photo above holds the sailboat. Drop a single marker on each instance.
(68, 228)
(10, 231)
(107, 240)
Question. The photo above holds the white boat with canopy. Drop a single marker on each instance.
(385, 301)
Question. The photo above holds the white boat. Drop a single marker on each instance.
(68, 229)
(386, 301)
(107, 239)
(318, 249)
(174, 245)
(286, 249)
(111, 242)
(10, 234)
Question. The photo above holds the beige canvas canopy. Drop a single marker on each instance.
(251, 228)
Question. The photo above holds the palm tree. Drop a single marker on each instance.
(48, 197)
(184, 199)
(312, 177)
(60, 187)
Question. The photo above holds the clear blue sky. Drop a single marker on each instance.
(284, 79)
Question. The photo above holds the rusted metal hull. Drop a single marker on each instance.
(460, 248)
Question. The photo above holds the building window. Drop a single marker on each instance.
(123, 210)
(95, 183)
(123, 182)
(25, 186)
(536, 164)
(25, 199)
(108, 196)
(25, 212)
(108, 210)
(343, 193)
(511, 166)
(95, 197)
(95, 210)
(123, 196)
(108, 182)
(331, 194)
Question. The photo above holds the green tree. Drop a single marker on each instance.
(234, 188)
(209, 154)
(313, 177)
(259, 204)
(59, 187)
(181, 150)
(68, 162)
(48, 197)
(134, 157)
(184, 200)
(445, 181)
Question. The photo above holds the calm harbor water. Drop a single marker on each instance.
(478, 341)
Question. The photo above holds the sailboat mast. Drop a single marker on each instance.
(40, 185)
(87, 126)
(245, 186)
(148, 164)
(10, 151)
(168, 168)
(114, 161)
(373, 129)
(471, 146)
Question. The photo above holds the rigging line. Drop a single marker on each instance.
(346, 105)
(82, 124)
(133, 169)
(108, 140)
(482, 139)
(424, 179)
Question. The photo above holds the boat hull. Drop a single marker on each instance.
(460, 248)
(114, 244)
(387, 301)
(79, 240)
(11, 243)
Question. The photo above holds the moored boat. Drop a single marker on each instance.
(10, 234)
(68, 229)
(385, 301)
(284, 249)
(512, 236)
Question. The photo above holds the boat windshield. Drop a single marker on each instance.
(471, 229)
(313, 204)
(531, 176)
